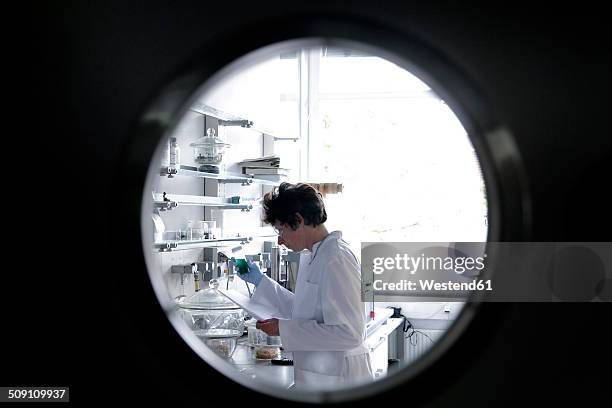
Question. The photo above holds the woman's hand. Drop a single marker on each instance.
(254, 275)
(269, 326)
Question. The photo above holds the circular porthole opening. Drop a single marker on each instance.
(392, 157)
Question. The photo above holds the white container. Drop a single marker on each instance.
(175, 153)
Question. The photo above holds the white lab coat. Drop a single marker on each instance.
(324, 326)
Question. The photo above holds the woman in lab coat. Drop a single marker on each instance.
(323, 322)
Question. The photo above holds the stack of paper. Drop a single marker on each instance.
(266, 161)
(264, 168)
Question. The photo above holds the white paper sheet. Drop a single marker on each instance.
(255, 309)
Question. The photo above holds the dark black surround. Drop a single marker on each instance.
(92, 70)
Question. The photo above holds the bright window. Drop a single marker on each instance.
(408, 168)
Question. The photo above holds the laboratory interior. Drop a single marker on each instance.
(390, 159)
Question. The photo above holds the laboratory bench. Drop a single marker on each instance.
(245, 362)
(380, 317)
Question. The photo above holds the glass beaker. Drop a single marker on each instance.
(207, 228)
(189, 230)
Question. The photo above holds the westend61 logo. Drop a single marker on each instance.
(507, 272)
(412, 265)
(419, 269)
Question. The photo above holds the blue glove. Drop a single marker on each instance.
(254, 275)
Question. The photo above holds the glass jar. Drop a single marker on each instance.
(215, 319)
(209, 149)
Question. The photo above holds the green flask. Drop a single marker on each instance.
(242, 266)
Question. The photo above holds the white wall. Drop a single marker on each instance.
(243, 96)
(244, 144)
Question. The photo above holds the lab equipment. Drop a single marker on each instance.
(215, 319)
(267, 352)
(175, 153)
(222, 342)
(208, 151)
(242, 266)
(256, 336)
(251, 273)
(247, 271)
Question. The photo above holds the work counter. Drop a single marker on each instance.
(282, 376)
(244, 361)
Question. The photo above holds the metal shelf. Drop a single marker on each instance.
(276, 138)
(169, 245)
(271, 235)
(226, 119)
(264, 232)
(179, 200)
(168, 205)
(243, 179)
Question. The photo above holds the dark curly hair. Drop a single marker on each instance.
(283, 203)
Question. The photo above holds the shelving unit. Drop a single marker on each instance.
(178, 200)
(169, 245)
(211, 200)
(168, 205)
(226, 119)
(243, 179)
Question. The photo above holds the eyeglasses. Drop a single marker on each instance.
(278, 231)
